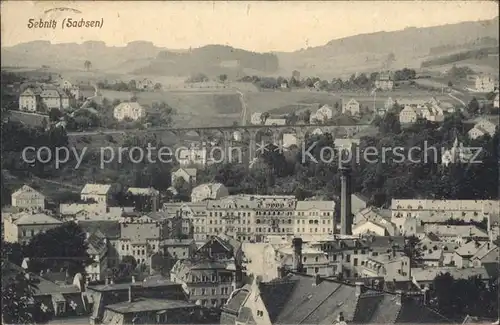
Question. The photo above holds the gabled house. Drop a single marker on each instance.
(21, 227)
(100, 193)
(28, 101)
(129, 110)
(187, 174)
(28, 198)
(322, 115)
(144, 84)
(302, 299)
(209, 191)
(51, 98)
(485, 83)
(352, 107)
(384, 82)
(481, 128)
(98, 252)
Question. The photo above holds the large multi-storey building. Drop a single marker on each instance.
(256, 217)
(21, 227)
(28, 198)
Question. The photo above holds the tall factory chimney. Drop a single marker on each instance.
(297, 255)
(345, 200)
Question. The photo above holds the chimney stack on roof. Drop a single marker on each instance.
(130, 294)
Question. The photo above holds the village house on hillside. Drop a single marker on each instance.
(322, 115)
(384, 82)
(28, 198)
(256, 119)
(43, 96)
(481, 128)
(21, 227)
(187, 174)
(211, 191)
(129, 110)
(485, 83)
(352, 107)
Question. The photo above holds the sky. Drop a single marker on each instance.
(254, 26)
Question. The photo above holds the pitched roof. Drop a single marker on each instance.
(452, 231)
(50, 93)
(25, 218)
(189, 171)
(97, 244)
(147, 304)
(142, 191)
(96, 189)
(23, 190)
(109, 228)
(133, 105)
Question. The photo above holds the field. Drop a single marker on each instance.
(272, 100)
(28, 119)
(201, 108)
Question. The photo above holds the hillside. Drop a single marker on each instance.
(211, 60)
(370, 51)
(338, 58)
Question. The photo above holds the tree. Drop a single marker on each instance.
(63, 247)
(450, 84)
(223, 77)
(87, 65)
(45, 123)
(55, 114)
(413, 250)
(473, 106)
(13, 252)
(158, 86)
(17, 295)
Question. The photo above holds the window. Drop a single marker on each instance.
(316, 270)
(203, 291)
(316, 258)
(260, 313)
(214, 292)
(348, 258)
(355, 262)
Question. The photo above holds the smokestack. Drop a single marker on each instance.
(297, 254)
(345, 200)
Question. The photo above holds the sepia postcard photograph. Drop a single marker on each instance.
(250, 162)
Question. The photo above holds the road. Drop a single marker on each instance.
(457, 99)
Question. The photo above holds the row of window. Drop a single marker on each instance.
(211, 291)
(213, 302)
(315, 230)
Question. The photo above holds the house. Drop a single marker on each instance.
(187, 174)
(458, 234)
(256, 119)
(178, 249)
(485, 83)
(209, 191)
(275, 121)
(352, 107)
(141, 235)
(469, 251)
(100, 193)
(377, 227)
(192, 156)
(21, 227)
(129, 110)
(212, 274)
(58, 302)
(457, 154)
(488, 253)
(135, 293)
(51, 99)
(28, 101)
(358, 202)
(481, 128)
(98, 252)
(111, 231)
(284, 84)
(322, 115)
(424, 277)
(28, 198)
(302, 299)
(409, 114)
(384, 82)
(152, 311)
(393, 266)
(313, 218)
(193, 218)
(289, 139)
(432, 258)
(314, 260)
(83, 91)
